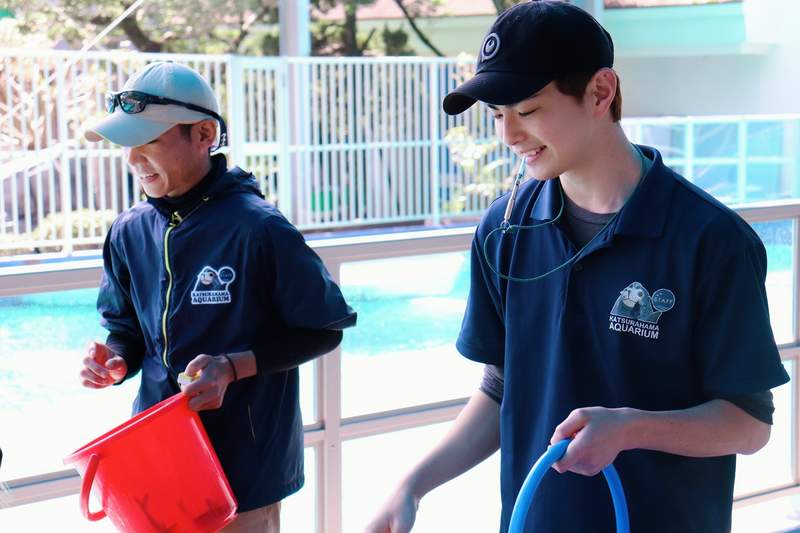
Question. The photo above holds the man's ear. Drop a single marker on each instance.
(205, 132)
(601, 90)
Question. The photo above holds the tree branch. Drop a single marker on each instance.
(414, 27)
(350, 29)
(501, 5)
(141, 41)
(365, 44)
(244, 30)
(132, 30)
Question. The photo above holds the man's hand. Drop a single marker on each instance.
(598, 434)
(208, 390)
(102, 367)
(397, 515)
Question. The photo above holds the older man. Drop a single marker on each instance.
(206, 278)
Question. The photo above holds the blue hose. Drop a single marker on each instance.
(553, 454)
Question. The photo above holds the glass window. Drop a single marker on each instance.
(308, 404)
(716, 140)
(44, 338)
(372, 466)
(764, 182)
(669, 139)
(765, 138)
(403, 351)
(298, 511)
(770, 467)
(719, 180)
(59, 514)
(778, 238)
(680, 169)
(768, 158)
(773, 514)
(659, 3)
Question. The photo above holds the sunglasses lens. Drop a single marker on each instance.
(110, 104)
(131, 103)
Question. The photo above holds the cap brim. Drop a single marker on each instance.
(141, 128)
(492, 87)
(126, 130)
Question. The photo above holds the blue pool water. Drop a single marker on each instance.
(68, 320)
(410, 311)
(44, 336)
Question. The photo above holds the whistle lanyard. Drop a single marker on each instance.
(507, 228)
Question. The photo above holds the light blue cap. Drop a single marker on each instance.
(162, 78)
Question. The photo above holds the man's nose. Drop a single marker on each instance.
(513, 133)
(133, 155)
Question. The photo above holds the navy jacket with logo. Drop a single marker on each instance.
(665, 309)
(228, 273)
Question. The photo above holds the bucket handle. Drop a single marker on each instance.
(86, 489)
(542, 466)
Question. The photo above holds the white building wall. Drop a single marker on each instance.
(764, 82)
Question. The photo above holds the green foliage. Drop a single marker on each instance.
(206, 26)
(328, 38)
(395, 42)
(502, 5)
(270, 44)
(326, 5)
(247, 27)
(485, 181)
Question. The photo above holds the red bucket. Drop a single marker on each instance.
(156, 472)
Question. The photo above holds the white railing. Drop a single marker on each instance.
(333, 428)
(334, 142)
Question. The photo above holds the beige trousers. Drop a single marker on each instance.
(265, 519)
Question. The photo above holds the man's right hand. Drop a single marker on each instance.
(102, 367)
(473, 437)
(397, 515)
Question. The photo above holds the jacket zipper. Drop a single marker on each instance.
(173, 223)
(250, 417)
(175, 219)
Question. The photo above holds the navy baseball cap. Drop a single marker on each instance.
(527, 47)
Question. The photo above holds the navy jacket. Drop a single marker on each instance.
(225, 273)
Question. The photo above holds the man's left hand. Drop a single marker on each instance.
(208, 390)
(598, 435)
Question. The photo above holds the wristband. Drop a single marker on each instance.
(233, 367)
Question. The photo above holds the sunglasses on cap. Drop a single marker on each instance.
(132, 102)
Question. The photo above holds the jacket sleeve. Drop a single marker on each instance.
(117, 313)
(311, 306)
(294, 347)
(302, 289)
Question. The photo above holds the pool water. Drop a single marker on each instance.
(44, 337)
(410, 312)
(388, 302)
(69, 320)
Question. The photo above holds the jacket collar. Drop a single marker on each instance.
(218, 181)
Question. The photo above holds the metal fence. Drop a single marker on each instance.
(334, 142)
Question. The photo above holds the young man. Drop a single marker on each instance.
(206, 278)
(632, 318)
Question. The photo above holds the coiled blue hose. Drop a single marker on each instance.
(553, 454)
